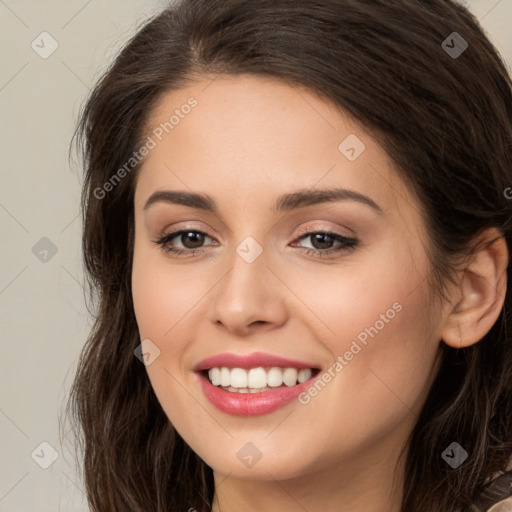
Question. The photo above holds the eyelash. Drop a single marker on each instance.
(347, 243)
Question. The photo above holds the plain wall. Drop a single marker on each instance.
(43, 314)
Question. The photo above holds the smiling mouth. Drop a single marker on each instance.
(257, 380)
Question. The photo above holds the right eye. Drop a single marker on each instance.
(195, 236)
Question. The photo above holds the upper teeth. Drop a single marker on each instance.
(258, 377)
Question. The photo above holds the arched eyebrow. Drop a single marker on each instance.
(284, 203)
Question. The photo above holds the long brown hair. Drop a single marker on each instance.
(446, 121)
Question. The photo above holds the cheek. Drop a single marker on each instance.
(377, 319)
(163, 299)
(367, 298)
(389, 352)
(163, 294)
(379, 387)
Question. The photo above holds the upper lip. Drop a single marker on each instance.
(254, 360)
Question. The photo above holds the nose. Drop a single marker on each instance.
(250, 297)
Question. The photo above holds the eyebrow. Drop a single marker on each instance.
(284, 203)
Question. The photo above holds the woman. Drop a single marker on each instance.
(298, 226)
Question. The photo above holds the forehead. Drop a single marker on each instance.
(248, 139)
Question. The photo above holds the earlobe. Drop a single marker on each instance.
(480, 293)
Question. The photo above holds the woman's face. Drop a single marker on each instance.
(353, 305)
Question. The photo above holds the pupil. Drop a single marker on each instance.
(320, 236)
(199, 239)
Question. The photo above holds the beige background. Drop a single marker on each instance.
(44, 320)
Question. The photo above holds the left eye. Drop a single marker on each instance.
(192, 240)
(321, 239)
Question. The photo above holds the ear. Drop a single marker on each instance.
(480, 293)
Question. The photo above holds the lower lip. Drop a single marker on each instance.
(251, 404)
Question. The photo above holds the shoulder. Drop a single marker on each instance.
(497, 495)
(502, 506)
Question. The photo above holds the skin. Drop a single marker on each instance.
(248, 141)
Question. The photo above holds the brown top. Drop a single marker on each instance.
(496, 497)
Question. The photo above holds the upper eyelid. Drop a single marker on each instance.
(304, 218)
(309, 229)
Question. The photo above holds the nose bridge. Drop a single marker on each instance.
(248, 272)
(248, 293)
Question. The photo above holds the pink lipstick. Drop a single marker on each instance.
(253, 384)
